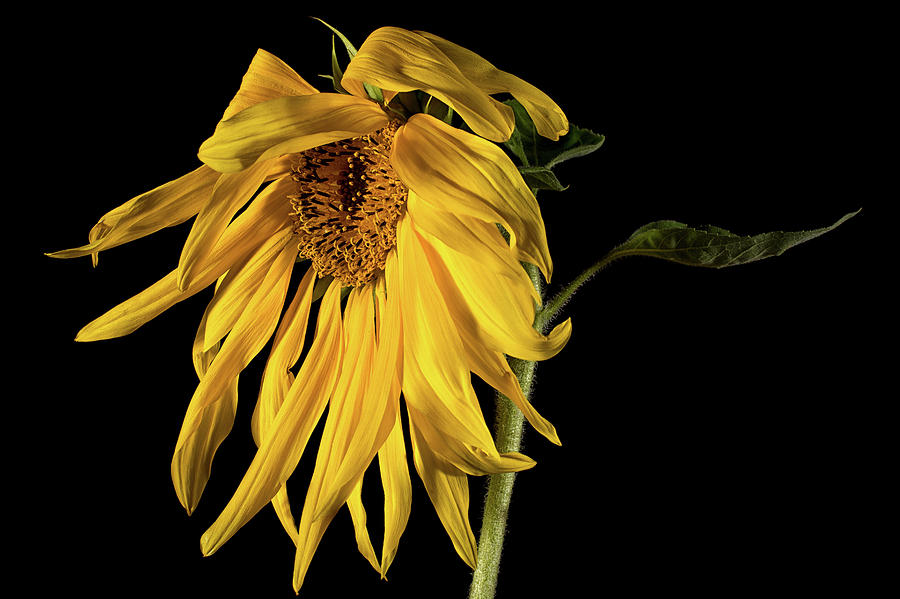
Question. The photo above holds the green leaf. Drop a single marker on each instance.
(373, 92)
(521, 142)
(576, 143)
(539, 177)
(533, 150)
(438, 109)
(710, 247)
(336, 73)
(351, 49)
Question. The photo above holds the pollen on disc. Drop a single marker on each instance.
(347, 205)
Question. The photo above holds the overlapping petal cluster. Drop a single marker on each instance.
(452, 299)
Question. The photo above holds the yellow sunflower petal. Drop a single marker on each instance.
(346, 419)
(358, 515)
(191, 465)
(229, 195)
(436, 380)
(282, 448)
(397, 490)
(493, 303)
(355, 88)
(455, 171)
(250, 333)
(548, 117)
(478, 239)
(277, 380)
(483, 243)
(392, 454)
(286, 349)
(400, 60)
(361, 417)
(176, 201)
(267, 77)
(469, 459)
(263, 223)
(232, 292)
(288, 125)
(492, 367)
(448, 489)
(167, 205)
(381, 396)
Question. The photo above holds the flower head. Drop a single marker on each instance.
(391, 209)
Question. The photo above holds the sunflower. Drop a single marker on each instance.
(393, 214)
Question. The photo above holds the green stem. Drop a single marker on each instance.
(508, 437)
(554, 305)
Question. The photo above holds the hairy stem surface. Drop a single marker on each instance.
(508, 437)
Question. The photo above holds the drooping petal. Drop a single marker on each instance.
(448, 489)
(167, 205)
(358, 515)
(229, 195)
(397, 490)
(286, 349)
(294, 422)
(392, 455)
(455, 171)
(402, 61)
(174, 202)
(344, 421)
(548, 117)
(277, 380)
(267, 77)
(491, 366)
(497, 309)
(480, 240)
(250, 333)
(436, 380)
(234, 291)
(381, 395)
(191, 465)
(262, 223)
(484, 245)
(288, 125)
(361, 416)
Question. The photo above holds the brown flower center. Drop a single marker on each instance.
(347, 205)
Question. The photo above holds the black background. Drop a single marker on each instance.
(722, 434)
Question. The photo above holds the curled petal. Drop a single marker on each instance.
(549, 119)
(492, 302)
(454, 171)
(475, 238)
(262, 224)
(437, 383)
(288, 125)
(267, 77)
(358, 515)
(167, 205)
(402, 61)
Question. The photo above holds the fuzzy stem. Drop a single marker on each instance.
(508, 437)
